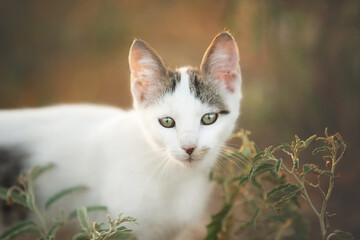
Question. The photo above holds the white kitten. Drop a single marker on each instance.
(151, 162)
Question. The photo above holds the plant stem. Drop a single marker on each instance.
(330, 188)
(330, 235)
(306, 195)
(35, 208)
(41, 219)
(321, 216)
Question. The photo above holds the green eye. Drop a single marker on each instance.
(209, 118)
(167, 122)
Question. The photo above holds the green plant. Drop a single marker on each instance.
(260, 195)
(257, 181)
(23, 194)
(96, 231)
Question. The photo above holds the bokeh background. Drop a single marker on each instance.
(300, 62)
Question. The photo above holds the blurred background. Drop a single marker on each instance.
(300, 62)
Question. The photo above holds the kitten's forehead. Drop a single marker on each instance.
(204, 89)
(198, 85)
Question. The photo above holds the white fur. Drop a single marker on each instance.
(127, 159)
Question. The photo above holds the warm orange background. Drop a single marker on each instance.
(300, 63)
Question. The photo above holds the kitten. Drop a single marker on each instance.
(151, 162)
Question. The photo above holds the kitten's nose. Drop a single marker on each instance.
(189, 150)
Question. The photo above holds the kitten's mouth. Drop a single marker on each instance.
(190, 161)
(187, 162)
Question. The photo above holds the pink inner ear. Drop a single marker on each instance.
(140, 88)
(228, 78)
(146, 67)
(221, 61)
(226, 68)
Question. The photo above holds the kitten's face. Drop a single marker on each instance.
(188, 114)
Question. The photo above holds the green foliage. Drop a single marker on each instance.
(259, 201)
(282, 194)
(341, 235)
(214, 227)
(267, 199)
(59, 195)
(73, 214)
(20, 228)
(98, 232)
(23, 194)
(12, 197)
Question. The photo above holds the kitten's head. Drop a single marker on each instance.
(188, 114)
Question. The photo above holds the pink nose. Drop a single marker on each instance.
(189, 150)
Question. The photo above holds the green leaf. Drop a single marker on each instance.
(320, 149)
(256, 166)
(281, 147)
(309, 168)
(295, 162)
(309, 140)
(53, 229)
(24, 227)
(216, 223)
(119, 235)
(250, 223)
(280, 195)
(253, 219)
(15, 197)
(81, 236)
(326, 172)
(268, 150)
(258, 156)
(89, 209)
(278, 165)
(263, 167)
(84, 220)
(256, 184)
(260, 166)
(123, 229)
(64, 193)
(30, 200)
(343, 235)
(37, 171)
(129, 219)
(256, 149)
(243, 180)
(246, 153)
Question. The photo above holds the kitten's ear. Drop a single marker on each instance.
(221, 61)
(147, 69)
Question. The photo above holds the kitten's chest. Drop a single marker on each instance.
(182, 198)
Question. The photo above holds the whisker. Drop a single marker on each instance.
(235, 152)
(221, 166)
(234, 156)
(235, 144)
(237, 163)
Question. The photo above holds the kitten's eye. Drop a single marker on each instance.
(167, 122)
(209, 118)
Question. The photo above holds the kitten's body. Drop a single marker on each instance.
(128, 160)
(128, 178)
